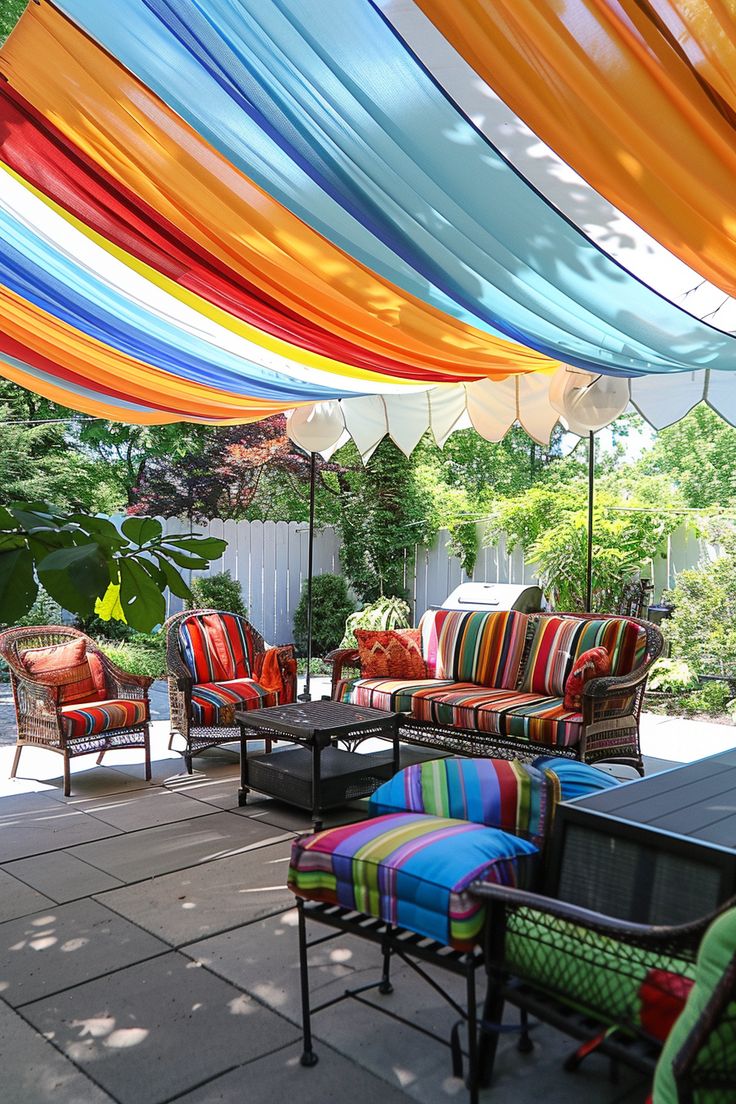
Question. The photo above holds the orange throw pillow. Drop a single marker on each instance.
(67, 666)
(591, 664)
(391, 653)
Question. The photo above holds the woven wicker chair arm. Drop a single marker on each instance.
(33, 690)
(612, 686)
(121, 678)
(340, 658)
(622, 930)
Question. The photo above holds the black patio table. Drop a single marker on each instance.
(317, 775)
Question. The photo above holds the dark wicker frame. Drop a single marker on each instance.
(199, 738)
(638, 946)
(37, 703)
(611, 710)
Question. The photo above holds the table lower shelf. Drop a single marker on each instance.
(344, 775)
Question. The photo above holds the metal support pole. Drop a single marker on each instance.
(307, 695)
(591, 474)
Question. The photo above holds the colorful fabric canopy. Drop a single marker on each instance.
(638, 97)
(217, 209)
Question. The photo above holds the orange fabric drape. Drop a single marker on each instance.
(120, 124)
(636, 96)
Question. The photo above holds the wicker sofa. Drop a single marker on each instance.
(496, 680)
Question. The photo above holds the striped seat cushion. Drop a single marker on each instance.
(392, 694)
(499, 793)
(558, 641)
(475, 646)
(215, 703)
(103, 716)
(538, 718)
(216, 647)
(411, 870)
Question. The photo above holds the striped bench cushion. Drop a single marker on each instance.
(103, 716)
(215, 703)
(538, 718)
(392, 694)
(499, 793)
(474, 646)
(558, 641)
(411, 870)
(216, 647)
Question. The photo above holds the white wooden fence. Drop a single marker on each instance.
(269, 560)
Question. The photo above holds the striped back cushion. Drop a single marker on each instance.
(216, 647)
(474, 646)
(499, 793)
(558, 641)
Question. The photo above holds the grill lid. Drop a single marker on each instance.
(495, 596)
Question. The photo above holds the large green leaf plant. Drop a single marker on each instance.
(88, 565)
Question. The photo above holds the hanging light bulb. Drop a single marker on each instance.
(316, 428)
(587, 402)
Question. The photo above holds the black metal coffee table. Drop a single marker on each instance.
(316, 775)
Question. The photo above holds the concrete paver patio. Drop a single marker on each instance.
(148, 949)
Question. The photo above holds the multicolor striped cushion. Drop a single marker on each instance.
(411, 870)
(394, 695)
(538, 718)
(215, 703)
(216, 647)
(499, 793)
(484, 648)
(103, 716)
(558, 641)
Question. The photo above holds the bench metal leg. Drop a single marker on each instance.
(308, 1058)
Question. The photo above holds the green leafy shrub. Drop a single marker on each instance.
(671, 676)
(331, 605)
(712, 698)
(702, 629)
(143, 654)
(385, 613)
(220, 592)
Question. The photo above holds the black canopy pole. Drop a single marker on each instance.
(306, 695)
(591, 472)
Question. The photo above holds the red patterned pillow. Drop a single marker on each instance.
(391, 653)
(591, 664)
(68, 667)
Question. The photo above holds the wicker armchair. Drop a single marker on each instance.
(616, 986)
(214, 660)
(81, 728)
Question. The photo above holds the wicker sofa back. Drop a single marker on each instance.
(496, 682)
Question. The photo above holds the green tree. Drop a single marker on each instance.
(10, 13)
(698, 456)
(702, 629)
(385, 512)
